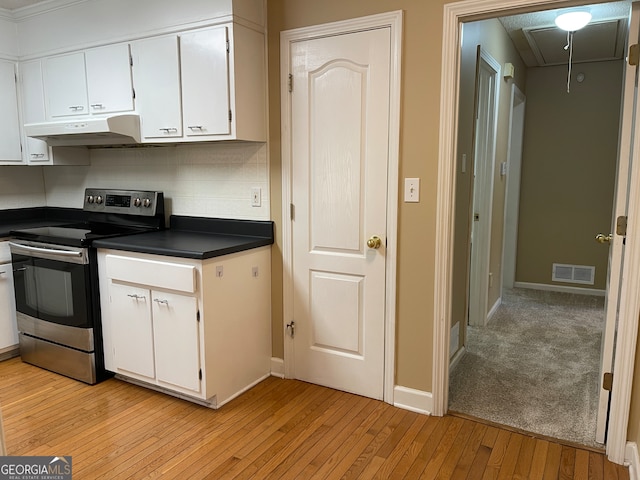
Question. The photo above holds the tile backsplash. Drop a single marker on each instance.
(21, 187)
(205, 180)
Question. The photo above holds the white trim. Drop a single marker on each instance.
(494, 309)
(632, 460)
(393, 20)
(457, 357)
(277, 367)
(561, 288)
(453, 15)
(412, 400)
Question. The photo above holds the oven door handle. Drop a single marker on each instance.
(50, 251)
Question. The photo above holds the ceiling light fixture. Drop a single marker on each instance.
(571, 22)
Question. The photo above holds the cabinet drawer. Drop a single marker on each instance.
(172, 276)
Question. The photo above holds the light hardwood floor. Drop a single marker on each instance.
(280, 429)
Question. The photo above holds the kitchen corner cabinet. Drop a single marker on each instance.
(10, 150)
(93, 81)
(37, 152)
(198, 329)
(210, 83)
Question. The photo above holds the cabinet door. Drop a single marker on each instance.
(36, 151)
(156, 75)
(65, 85)
(8, 326)
(132, 329)
(109, 79)
(10, 152)
(177, 340)
(205, 82)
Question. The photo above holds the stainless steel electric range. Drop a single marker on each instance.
(56, 280)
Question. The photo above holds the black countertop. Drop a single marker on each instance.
(196, 237)
(21, 218)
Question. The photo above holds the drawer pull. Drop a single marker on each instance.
(169, 130)
(97, 105)
(137, 297)
(165, 302)
(76, 108)
(195, 127)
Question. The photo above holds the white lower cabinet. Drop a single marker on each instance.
(8, 325)
(197, 329)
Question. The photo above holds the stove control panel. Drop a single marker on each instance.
(127, 202)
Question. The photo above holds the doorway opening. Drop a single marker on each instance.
(537, 360)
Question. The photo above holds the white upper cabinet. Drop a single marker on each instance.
(109, 79)
(201, 85)
(10, 151)
(205, 82)
(65, 85)
(156, 74)
(94, 81)
(36, 151)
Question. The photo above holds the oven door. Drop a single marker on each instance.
(52, 282)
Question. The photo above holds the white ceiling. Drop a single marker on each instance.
(541, 43)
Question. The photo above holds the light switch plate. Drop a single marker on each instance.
(411, 190)
(256, 196)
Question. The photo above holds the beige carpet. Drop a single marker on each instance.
(535, 366)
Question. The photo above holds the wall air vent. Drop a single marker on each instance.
(573, 273)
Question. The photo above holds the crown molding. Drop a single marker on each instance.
(47, 6)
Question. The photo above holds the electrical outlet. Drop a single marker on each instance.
(254, 271)
(219, 271)
(256, 196)
(412, 190)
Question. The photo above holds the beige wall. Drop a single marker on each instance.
(422, 47)
(493, 39)
(568, 170)
(420, 113)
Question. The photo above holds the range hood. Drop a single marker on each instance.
(118, 129)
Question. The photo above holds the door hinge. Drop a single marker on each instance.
(133, 92)
(621, 225)
(292, 211)
(607, 381)
(228, 47)
(291, 328)
(634, 54)
(290, 83)
(130, 60)
(230, 116)
(200, 374)
(198, 315)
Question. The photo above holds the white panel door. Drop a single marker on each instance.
(340, 118)
(132, 329)
(204, 62)
(156, 74)
(626, 153)
(176, 339)
(109, 79)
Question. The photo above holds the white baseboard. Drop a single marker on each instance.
(456, 358)
(561, 288)
(632, 459)
(277, 367)
(494, 309)
(413, 400)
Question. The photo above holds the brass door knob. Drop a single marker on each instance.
(602, 238)
(374, 242)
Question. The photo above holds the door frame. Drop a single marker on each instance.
(517, 111)
(392, 20)
(453, 15)
(483, 183)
